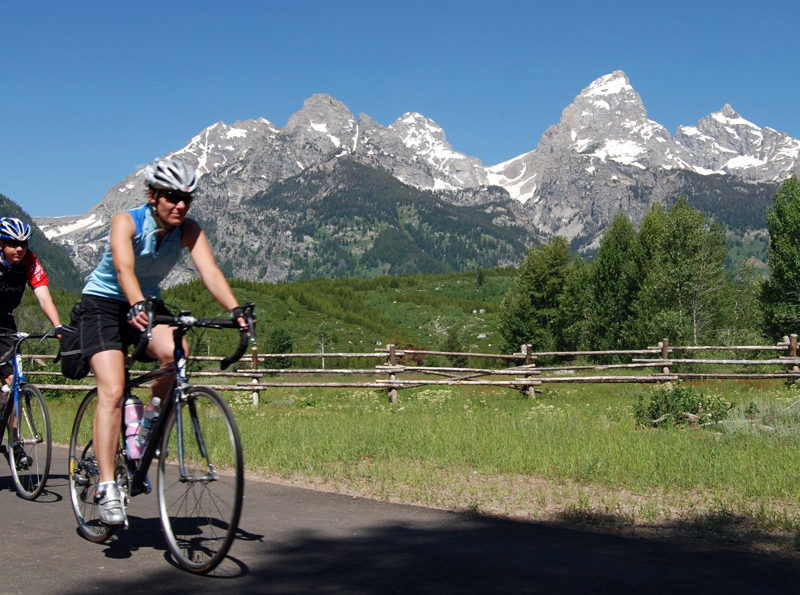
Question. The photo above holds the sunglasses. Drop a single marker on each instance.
(15, 243)
(175, 197)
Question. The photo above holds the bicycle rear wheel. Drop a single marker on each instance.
(31, 447)
(84, 474)
(200, 480)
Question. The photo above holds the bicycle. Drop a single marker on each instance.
(199, 452)
(29, 432)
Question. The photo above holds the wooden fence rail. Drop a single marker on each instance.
(398, 369)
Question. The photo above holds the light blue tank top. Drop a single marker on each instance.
(152, 263)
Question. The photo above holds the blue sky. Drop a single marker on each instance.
(89, 91)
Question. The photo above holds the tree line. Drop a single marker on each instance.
(666, 279)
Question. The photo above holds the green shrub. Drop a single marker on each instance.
(278, 341)
(678, 405)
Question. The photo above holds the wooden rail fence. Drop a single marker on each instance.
(398, 369)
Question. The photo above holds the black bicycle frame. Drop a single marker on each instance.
(176, 368)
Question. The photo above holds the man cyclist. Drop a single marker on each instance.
(144, 244)
(19, 267)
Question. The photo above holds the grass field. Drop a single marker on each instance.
(574, 453)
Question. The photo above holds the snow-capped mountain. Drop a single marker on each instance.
(726, 143)
(608, 122)
(604, 155)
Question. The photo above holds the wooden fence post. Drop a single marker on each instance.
(254, 366)
(793, 353)
(665, 355)
(392, 361)
(527, 351)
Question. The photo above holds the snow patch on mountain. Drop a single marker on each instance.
(609, 84)
(71, 225)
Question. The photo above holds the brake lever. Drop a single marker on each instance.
(250, 310)
(148, 307)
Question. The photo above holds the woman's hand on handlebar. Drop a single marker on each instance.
(138, 316)
(240, 315)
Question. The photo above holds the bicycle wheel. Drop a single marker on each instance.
(31, 444)
(84, 474)
(200, 480)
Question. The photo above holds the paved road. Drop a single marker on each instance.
(300, 541)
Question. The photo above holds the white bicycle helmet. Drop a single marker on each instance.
(12, 228)
(171, 174)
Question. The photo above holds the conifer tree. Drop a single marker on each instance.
(781, 293)
(615, 285)
(575, 312)
(529, 312)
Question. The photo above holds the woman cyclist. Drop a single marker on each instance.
(19, 267)
(144, 244)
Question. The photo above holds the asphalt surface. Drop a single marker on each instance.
(293, 540)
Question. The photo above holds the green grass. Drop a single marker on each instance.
(586, 434)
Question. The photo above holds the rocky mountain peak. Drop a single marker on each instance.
(608, 121)
(726, 143)
(421, 133)
(605, 126)
(728, 112)
(615, 86)
(220, 143)
(428, 141)
(324, 121)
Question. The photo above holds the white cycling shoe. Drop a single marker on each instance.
(109, 505)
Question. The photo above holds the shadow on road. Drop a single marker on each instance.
(48, 496)
(471, 554)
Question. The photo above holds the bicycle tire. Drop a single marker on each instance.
(199, 510)
(33, 429)
(84, 474)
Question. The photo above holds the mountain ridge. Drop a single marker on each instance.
(604, 155)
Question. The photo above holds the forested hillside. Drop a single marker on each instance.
(740, 207)
(358, 315)
(347, 219)
(352, 315)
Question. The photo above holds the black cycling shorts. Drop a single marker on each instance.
(104, 324)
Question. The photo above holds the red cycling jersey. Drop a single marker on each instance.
(36, 275)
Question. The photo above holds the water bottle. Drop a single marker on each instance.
(133, 416)
(148, 421)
